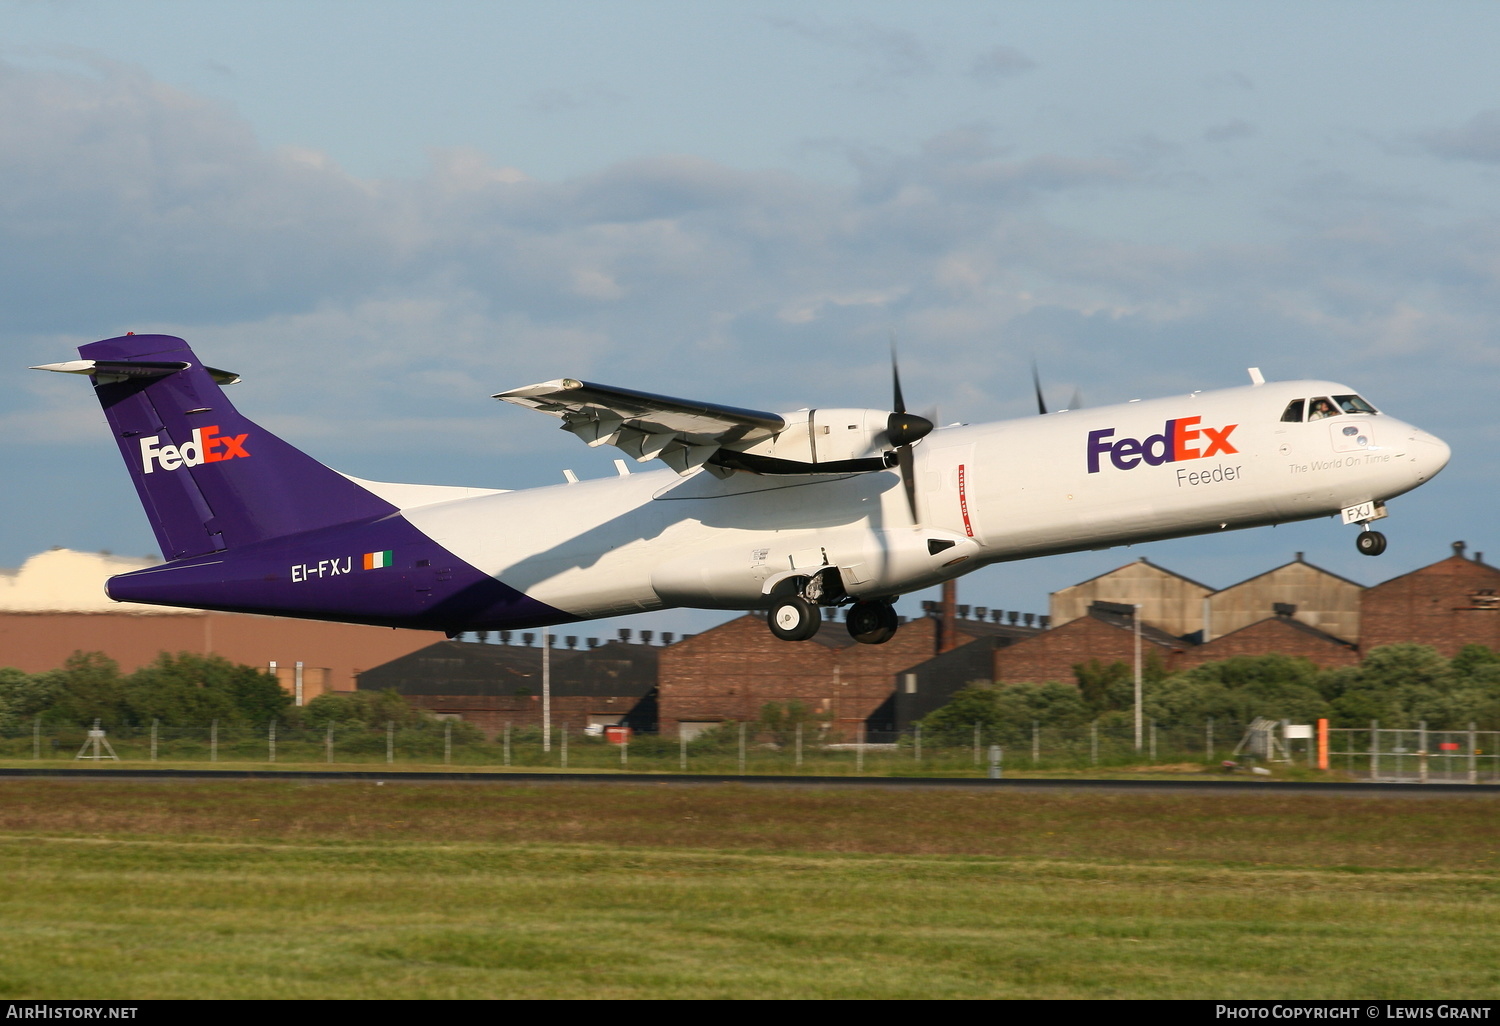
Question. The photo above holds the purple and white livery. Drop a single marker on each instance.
(788, 512)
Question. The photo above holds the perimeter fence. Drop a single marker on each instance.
(1376, 753)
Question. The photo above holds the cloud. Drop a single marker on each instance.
(1476, 139)
(1228, 131)
(889, 53)
(999, 63)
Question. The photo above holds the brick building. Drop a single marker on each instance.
(1281, 634)
(1449, 604)
(492, 685)
(1106, 632)
(730, 672)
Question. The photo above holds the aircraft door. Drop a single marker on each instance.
(947, 492)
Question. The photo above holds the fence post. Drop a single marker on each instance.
(563, 727)
(1036, 742)
(742, 748)
(995, 757)
(36, 737)
(1094, 743)
(1422, 751)
(1374, 751)
(625, 750)
(1473, 764)
(271, 741)
(390, 741)
(976, 742)
(154, 722)
(1208, 740)
(799, 746)
(1153, 740)
(213, 741)
(859, 748)
(507, 742)
(682, 740)
(447, 742)
(917, 745)
(328, 745)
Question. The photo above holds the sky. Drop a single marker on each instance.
(381, 213)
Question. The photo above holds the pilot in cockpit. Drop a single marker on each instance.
(1321, 408)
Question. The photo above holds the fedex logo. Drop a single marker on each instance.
(206, 446)
(1180, 439)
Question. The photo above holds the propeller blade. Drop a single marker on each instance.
(908, 479)
(1036, 381)
(900, 403)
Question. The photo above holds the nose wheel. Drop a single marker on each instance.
(1370, 543)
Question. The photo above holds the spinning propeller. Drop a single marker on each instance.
(902, 429)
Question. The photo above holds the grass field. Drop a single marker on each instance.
(126, 889)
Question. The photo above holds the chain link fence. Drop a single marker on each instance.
(1377, 754)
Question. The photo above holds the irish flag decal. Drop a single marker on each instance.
(377, 560)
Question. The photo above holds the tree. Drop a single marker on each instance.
(89, 687)
(359, 709)
(781, 722)
(190, 690)
(24, 695)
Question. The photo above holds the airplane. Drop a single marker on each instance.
(784, 512)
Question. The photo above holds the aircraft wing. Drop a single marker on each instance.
(683, 433)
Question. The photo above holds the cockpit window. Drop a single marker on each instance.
(1320, 409)
(1293, 414)
(1353, 404)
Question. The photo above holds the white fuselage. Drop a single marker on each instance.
(1063, 482)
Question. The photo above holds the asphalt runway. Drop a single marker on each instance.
(1220, 785)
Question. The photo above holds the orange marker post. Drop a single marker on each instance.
(1322, 744)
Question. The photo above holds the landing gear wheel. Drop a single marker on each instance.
(1370, 543)
(872, 623)
(795, 619)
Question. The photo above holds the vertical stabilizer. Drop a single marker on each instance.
(209, 478)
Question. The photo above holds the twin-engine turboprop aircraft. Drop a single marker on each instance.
(786, 512)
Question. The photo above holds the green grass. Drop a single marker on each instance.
(135, 890)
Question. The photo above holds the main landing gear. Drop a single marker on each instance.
(796, 616)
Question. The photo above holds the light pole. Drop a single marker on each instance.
(547, 689)
(1137, 619)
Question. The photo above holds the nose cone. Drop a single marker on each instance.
(1431, 453)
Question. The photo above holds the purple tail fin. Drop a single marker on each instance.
(209, 478)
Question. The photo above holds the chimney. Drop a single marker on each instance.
(1285, 609)
(980, 612)
(1458, 548)
(1299, 557)
(593, 643)
(505, 637)
(625, 635)
(997, 615)
(666, 637)
(646, 637)
(530, 639)
(1030, 619)
(1044, 621)
(946, 640)
(572, 641)
(963, 612)
(1014, 617)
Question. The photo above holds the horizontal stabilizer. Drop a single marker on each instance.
(110, 371)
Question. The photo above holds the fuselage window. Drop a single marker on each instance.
(1321, 408)
(1353, 404)
(1293, 414)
